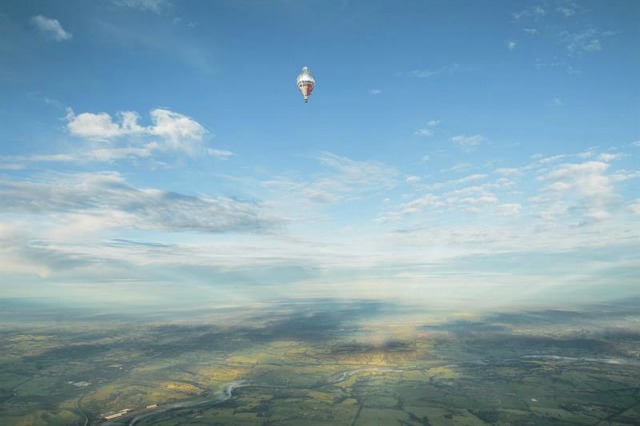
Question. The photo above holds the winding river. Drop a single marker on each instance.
(227, 393)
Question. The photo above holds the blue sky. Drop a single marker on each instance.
(459, 153)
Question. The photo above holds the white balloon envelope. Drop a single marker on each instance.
(305, 82)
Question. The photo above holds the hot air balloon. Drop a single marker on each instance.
(305, 82)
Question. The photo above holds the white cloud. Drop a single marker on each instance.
(423, 132)
(531, 31)
(467, 141)
(635, 207)
(174, 131)
(608, 157)
(583, 42)
(366, 173)
(511, 45)
(415, 206)
(471, 199)
(180, 131)
(534, 12)
(110, 139)
(51, 27)
(114, 154)
(375, 91)
(93, 126)
(425, 158)
(106, 200)
(148, 5)
(470, 178)
(580, 190)
(219, 153)
(636, 144)
(428, 130)
(412, 179)
(342, 179)
(570, 193)
(587, 153)
(541, 160)
(454, 182)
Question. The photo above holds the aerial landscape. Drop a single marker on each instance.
(323, 362)
(319, 212)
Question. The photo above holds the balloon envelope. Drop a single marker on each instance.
(305, 82)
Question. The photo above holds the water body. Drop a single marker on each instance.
(227, 393)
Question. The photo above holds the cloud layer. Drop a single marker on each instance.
(93, 202)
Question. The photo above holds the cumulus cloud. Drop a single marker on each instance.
(169, 131)
(106, 200)
(167, 124)
(95, 126)
(569, 193)
(511, 45)
(177, 129)
(51, 27)
(412, 179)
(582, 189)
